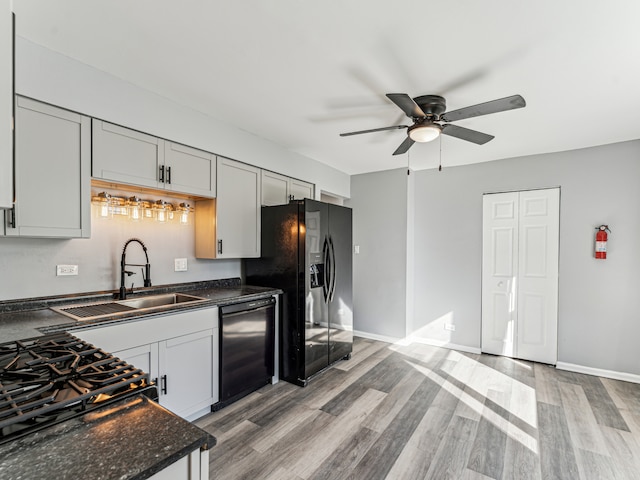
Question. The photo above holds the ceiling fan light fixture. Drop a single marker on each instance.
(425, 133)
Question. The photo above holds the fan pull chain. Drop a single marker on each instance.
(408, 163)
(440, 165)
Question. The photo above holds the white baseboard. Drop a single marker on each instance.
(409, 340)
(375, 336)
(444, 344)
(626, 377)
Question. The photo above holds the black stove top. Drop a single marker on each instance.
(46, 380)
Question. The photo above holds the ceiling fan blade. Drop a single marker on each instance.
(466, 134)
(395, 127)
(406, 104)
(404, 146)
(494, 106)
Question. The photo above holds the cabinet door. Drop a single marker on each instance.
(52, 181)
(127, 156)
(275, 189)
(6, 105)
(189, 170)
(188, 366)
(299, 189)
(144, 357)
(238, 210)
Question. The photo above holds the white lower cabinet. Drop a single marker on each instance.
(194, 466)
(179, 352)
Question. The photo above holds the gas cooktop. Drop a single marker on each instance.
(48, 379)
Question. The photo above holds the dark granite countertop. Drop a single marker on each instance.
(132, 439)
(26, 318)
(114, 442)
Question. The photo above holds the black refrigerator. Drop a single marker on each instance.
(306, 252)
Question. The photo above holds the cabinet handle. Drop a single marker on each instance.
(11, 220)
(155, 381)
(219, 246)
(163, 384)
(162, 173)
(168, 174)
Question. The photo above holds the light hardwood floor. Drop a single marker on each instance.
(422, 412)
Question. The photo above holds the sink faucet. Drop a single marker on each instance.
(146, 275)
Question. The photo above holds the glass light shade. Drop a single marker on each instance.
(184, 211)
(102, 201)
(119, 207)
(135, 208)
(163, 211)
(424, 133)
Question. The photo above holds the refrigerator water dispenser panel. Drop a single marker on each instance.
(316, 270)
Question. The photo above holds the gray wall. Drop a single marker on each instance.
(379, 203)
(599, 303)
(29, 264)
(54, 78)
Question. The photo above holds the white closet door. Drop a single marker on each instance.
(537, 324)
(520, 274)
(499, 272)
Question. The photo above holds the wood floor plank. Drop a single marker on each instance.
(438, 414)
(583, 427)
(395, 400)
(546, 385)
(347, 455)
(383, 454)
(557, 458)
(488, 449)
(603, 407)
(415, 459)
(624, 450)
(520, 461)
(593, 466)
(451, 459)
(338, 431)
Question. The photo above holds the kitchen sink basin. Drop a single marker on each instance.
(150, 303)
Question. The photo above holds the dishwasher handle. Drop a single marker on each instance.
(247, 306)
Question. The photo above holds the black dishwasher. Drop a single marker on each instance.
(247, 335)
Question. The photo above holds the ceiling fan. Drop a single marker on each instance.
(430, 120)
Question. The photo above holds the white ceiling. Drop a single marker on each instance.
(299, 72)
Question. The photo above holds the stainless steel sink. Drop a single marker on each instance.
(93, 311)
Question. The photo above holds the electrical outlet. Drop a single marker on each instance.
(62, 270)
(450, 326)
(356, 249)
(180, 264)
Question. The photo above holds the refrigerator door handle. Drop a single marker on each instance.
(332, 286)
(325, 259)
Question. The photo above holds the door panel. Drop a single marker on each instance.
(340, 311)
(520, 274)
(500, 237)
(316, 324)
(538, 290)
(187, 363)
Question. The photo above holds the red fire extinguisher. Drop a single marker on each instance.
(601, 241)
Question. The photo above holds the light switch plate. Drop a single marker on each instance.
(62, 270)
(180, 264)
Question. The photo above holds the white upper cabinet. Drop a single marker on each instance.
(275, 188)
(299, 189)
(126, 156)
(188, 170)
(6, 104)
(278, 189)
(238, 210)
(52, 172)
